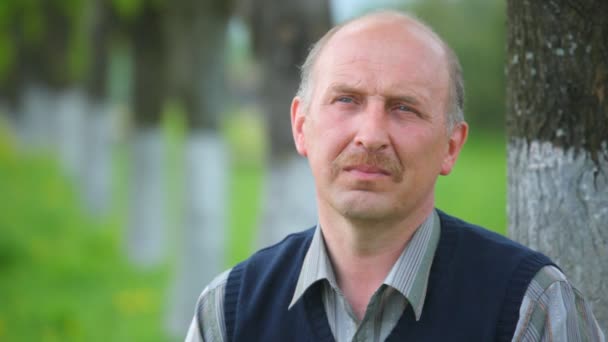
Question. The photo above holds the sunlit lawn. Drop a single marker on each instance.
(476, 188)
(63, 276)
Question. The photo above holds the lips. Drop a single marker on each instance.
(370, 169)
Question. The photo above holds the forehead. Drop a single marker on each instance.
(391, 27)
(390, 51)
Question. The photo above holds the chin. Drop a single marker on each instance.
(367, 215)
(366, 209)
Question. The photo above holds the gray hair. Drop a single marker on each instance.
(455, 110)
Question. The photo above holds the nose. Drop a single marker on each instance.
(372, 133)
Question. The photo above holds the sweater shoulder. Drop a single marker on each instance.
(281, 259)
(284, 247)
(469, 232)
(481, 248)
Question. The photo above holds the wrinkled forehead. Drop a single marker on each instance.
(396, 26)
(388, 32)
(400, 44)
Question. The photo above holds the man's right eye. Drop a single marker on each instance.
(345, 99)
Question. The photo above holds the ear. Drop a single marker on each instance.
(298, 117)
(457, 139)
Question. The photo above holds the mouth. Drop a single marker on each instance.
(367, 170)
(365, 166)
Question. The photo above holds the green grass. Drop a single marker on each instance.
(63, 276)
(244, 212)
(245, 136)
(476, 189)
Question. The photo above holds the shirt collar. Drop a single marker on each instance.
(316, 267)
(409, 275)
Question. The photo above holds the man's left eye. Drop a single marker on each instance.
(403, 108)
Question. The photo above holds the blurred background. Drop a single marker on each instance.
(145, 147)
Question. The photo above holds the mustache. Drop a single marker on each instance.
(374, 159)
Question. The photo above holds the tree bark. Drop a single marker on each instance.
(146, 232)
(44, 78)
(557, 122)
(150, 67)
(282, 33)
(196, 36)
(52, 107)
(96, 181)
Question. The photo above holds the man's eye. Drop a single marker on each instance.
(345, 99)
(403, 108)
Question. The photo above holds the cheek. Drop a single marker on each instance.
(418, 147)
(331, 137)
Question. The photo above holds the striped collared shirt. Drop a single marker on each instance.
(552, 309)
(405, 284)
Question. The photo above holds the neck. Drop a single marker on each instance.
(363, 253)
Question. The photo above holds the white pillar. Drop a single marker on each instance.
(37, 112)
(67, 130)
(97, 175)
(146, 232)
(289, 200)
(202, 250)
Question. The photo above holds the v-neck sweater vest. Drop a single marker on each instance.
(476, 285)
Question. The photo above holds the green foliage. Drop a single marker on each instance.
(62, 275)
(26, 25)
(475, 29)
(7, 54)
(129, 9)
(79, 50)
(27, 17)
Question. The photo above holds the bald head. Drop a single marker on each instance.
(406, 26)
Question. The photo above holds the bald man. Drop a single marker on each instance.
(379, 116)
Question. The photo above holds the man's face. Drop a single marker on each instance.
(374, 131)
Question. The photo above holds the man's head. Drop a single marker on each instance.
(371, 117)
(455, 107)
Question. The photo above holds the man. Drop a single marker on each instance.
(379, 117)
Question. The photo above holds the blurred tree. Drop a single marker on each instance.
(47, 70)
(97, 159)
(196, 32)
(11, 47)
(43, 73)
(282, 32)
(475, 29)
(146, 232)
(558, 137)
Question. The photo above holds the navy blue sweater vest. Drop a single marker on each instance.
(476, 285)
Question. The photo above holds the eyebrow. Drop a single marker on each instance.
(345, 88)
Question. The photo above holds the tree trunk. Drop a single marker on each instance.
(283, 31)
(147, 236)
(67, 129)
(33, 121)
(11, 84)
(196, 34)
(52, 102)
(557, 70)
(96, 182)
(43, 66)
